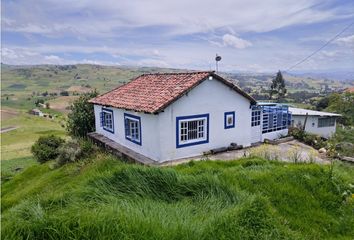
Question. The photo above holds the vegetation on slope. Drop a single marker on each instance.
(247, 199)
(16, 144)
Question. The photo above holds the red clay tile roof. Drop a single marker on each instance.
(349, 90)
(151, 93)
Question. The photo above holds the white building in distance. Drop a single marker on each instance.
(320, 123)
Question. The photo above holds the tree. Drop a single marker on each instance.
(343, 104)
(322, 103)
(277, 88)
(64, 93)
(81, 119)
(38, 101)
(46, 148)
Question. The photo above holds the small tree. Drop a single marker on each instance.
(81, 119)
(46, 148)
(64, 93)
(277, 87)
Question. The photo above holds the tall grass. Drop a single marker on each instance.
(247, 199)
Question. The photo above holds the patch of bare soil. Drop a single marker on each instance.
(78, 89)
(62, 103)
(7, 114)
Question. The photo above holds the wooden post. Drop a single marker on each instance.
(303, 128)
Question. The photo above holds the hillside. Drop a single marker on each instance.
(22, 85)
(247, 199)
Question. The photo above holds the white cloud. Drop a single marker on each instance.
(329, 53)
(181, 34)
(104, 18)
(346, 41)
(236, 42)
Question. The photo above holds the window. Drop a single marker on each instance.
(132, 128)
(192, 130)
(256, 117)
(229, 120)
(326, 122)
(275, 118)
(107, 122)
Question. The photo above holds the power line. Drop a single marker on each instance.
(323, 46)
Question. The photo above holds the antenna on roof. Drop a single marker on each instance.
(217, 59)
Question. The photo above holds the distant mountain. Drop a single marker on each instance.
(331, 75)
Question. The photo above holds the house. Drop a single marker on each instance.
(36, 112)
(169, 116)
(320, 123)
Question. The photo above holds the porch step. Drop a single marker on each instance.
(120, 150)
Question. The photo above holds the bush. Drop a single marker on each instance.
(268, 152)
(74, 150)
(310, 139)
(46, 148)
(81, 119)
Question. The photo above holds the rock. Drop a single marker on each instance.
(322, 150)
(344, 146)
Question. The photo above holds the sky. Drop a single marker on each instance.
(249, 35)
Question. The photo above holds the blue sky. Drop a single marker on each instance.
(252, 35)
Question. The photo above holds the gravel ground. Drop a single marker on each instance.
(288, 152)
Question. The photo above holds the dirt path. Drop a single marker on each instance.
(7, 114)
(7, 129)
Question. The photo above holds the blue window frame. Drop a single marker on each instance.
(132, 126)
(275, 118)
(192, 130)
(107, 120)
(256, 116)
(229, 120)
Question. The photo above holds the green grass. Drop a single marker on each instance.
(246, 199)
(17, 143)
(344, 135)
(14, 166)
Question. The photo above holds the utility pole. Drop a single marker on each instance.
(217, 59)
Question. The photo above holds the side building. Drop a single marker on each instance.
(320, 123)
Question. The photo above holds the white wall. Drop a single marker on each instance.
(312, 126)
(275, 134)
(213, 98)
(150, 145)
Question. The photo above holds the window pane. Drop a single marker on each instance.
(192, 130)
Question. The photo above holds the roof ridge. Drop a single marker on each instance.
(153, 92)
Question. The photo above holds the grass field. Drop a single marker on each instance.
(245, 199)
(16, 144)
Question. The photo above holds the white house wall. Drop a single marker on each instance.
(210, 97)
(275, 134)
(312, 125)
(149, 131)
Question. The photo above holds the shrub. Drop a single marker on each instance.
(310, 139)
(81, 119)
(295, 155)
(312, 155)
(74, 150)
(46, 148)
(268, 152)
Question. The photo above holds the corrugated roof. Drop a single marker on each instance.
(301, 111)
(151, 93)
